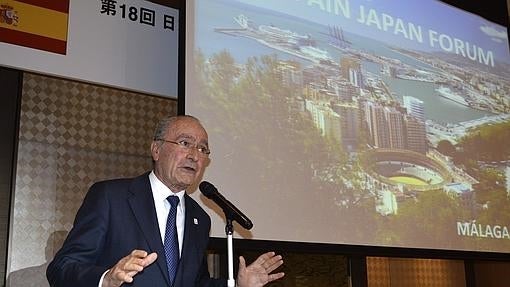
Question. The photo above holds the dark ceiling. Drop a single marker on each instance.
(493, 10)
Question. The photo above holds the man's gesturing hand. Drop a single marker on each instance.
(259, 272)
(127, 268)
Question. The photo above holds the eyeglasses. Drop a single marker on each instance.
(186, 145)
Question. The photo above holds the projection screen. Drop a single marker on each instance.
(374, 123)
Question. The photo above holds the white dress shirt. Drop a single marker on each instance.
(159, 193)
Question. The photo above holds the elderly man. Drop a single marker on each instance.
(146, 231)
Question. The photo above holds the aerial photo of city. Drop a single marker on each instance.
(408, 138)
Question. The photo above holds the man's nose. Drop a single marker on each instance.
(193, 153)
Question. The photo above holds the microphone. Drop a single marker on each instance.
(231, 212)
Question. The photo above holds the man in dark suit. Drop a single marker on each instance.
(118, 237)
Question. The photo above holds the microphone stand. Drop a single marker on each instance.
(229, 230)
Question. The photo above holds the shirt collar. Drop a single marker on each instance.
(160, 191)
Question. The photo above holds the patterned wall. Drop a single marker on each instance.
(71, 135)
(403, 272)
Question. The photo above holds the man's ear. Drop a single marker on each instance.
(155, 150)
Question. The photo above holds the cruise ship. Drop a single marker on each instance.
(274, 31)
(315, 52)
(447, 93)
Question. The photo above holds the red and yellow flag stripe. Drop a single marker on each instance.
(39, 24)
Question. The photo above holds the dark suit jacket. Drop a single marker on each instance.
(118, 216)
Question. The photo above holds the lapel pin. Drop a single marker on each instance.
(195, 221)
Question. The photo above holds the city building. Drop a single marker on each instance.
(414, 107)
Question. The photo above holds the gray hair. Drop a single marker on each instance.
(166, 123)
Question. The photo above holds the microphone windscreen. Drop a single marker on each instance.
(207, 188)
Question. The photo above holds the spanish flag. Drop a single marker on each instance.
(38, 24)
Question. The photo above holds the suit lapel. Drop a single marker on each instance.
(142, 205)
